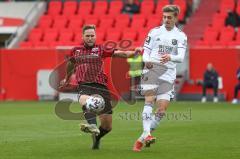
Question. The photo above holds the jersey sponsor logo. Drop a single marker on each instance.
(158, 39)
(148, 40)
(174, 41)
(164, 49)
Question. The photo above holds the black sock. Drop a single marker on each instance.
(103, 132)
(90, 117)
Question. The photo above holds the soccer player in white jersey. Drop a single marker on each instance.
(164, 47)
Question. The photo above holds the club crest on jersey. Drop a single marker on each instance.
(95, 49)
(174, 41)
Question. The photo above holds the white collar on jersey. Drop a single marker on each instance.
(174, 28)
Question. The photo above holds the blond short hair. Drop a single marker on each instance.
(171, 8)
(86, 27)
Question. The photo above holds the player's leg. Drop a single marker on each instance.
(85, 99)
(204, 87)
(91, 125)
(146, 120)
(149, 86)
(105, 118)
(162, 105)
(236, 89)
(105, 128)
(147, 116)
(215, 90)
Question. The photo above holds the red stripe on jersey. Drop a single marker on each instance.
(89, 63)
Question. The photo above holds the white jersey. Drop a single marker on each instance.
(161, 41)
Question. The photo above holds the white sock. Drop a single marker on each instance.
(147, 119)
(155, 121)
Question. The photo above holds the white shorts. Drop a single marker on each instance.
(151, 83)
(167, 96)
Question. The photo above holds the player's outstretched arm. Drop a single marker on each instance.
(127, 53)
(69, 72)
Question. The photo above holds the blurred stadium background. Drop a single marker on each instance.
(36, 36)
(33, 35)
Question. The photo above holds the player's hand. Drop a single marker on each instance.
(165, 58)
(149, 65)
(63, 83)
(139, 49)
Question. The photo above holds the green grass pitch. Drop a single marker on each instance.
(191, 130)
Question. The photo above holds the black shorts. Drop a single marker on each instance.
(96, 88)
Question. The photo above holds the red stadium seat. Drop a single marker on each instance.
(226, 36)
(211, 37)
(138, 23)
(50, 36)
(233, 43)
(159, 6)
(107, 16)
(238, 37)
(35, 36)
(115, 7)
(77, 30)
(75, 23)
(51, 30)
(70, 8)
(153, 22)
(140, 16)
(60, 17)
(238, 8)
(60, 23)
(113, 36)
(37, 30)
(45, 23)
(143, 31)
(147, 7)
(106, 23)
(183, 7)
(26, 44)
(220, 15)
(100, 37)
(227, 5)
(78, 37)
(45, 16)
(122, 21)
(66, 36)
(202, 43)
(217, 24)
(142, 37)
(85, 7)
(129, 36)
(113, 30)
(100, 7)
(54, 7)
(92, 21)
(137, 43)
(41, 44)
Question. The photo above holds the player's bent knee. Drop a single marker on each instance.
(159, 115)
(163, 97)
(107, 127)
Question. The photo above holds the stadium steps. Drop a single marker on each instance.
(200, 20)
